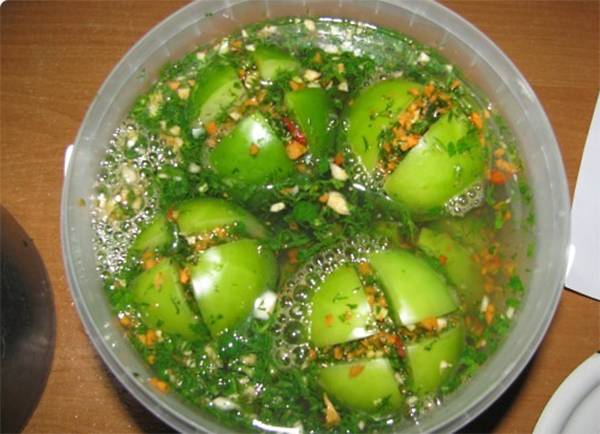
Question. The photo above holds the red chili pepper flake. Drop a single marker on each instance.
(294, 130)
(400, 350)
(443, 260)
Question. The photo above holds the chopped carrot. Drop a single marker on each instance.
(429, 323)
(329, 320)
(296, 86)
(332, 417)
(201, 245)
(254, 149)
(338, 353)
(355, 370)
(292, 255)
(149, 263)
(173, 85)
(443, 259)
(159, 385)
(211, 128)
(429, 89)
(455, 84)
(507, 215)
(489, 313)
(184, 275)
(295, 150)
(251, 102)
(312, 354)
(324, 198)
(497, 177)
(387, 147)
(339, 159)
(414, 91)
(365, 269)
(125, 321)
(476, 120)
(411, 142)
(391, 166)
(151, 337)
(172, 215)
(370, 290)
(236, 43)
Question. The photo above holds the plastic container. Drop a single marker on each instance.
(482, 62)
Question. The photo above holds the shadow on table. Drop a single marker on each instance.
(485, 423)
(488, 420)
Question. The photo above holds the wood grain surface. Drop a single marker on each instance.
(54, 57)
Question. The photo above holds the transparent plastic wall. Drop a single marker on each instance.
(481, 61)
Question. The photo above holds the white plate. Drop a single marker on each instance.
(575, 406)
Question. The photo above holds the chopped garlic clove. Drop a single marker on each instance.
(337, 202)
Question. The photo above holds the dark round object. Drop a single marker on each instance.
(27, 325)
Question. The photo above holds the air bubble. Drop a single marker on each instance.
(293, 332)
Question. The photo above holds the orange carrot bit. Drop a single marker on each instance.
(391, 166)
(184, 275)
(125, 321)
(295, 150)
(254, 149)
(159, 385)
(414, 91)
(507, 215)
(147, 255)
(173, 85)
(251, 102)
(324, 198)
(387, 147)
(142, 339)
(312, 354)
(429, 89)
(443, 260)
(365, 269)
(455, 84)
(172, 215)
(339, 159)
(151, 337)
(497, 177)
(292, 255)
(476, 120)
(355, 370)
(489, 313)
(296, 86)
(211, 128)
(149, 263)
(329, 320)
(332, 417)
(338, 353)
(236, 43)
(429, 323)
(411, 142)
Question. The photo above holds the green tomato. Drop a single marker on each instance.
(415, 291)
(217, 88)
(162, 300)
(233, 160)
(448, 160)
(374, 110)
(471, 230)
(203, 215)
(340, 311)
(367, 385)
(462, 270)
(272, 61)
(432, 361)
(228, 278)
(313, 111)
(158, 234)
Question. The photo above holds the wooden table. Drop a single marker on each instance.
(55, 56)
